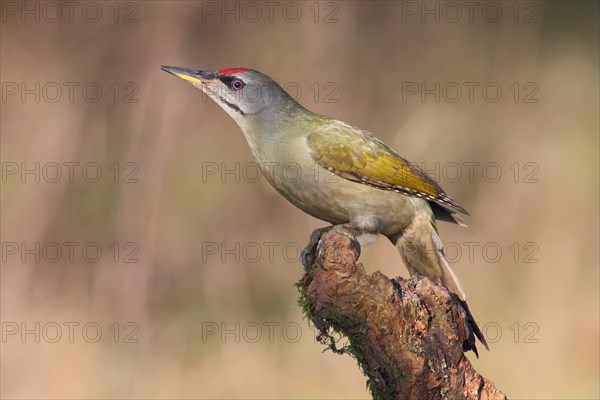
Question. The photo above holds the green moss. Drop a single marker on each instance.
(304, 302)
(334, 327)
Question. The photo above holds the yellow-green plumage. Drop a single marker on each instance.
(374, 191)
(359, 156)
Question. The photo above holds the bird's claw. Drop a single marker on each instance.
(308, 255)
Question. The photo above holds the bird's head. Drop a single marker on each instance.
(245, 94)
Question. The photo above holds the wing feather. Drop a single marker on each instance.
(359, 156)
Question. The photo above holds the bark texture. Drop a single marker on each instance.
(406, 334)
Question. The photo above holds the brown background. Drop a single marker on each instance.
(538, 305)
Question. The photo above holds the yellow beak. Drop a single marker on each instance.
(191, 75)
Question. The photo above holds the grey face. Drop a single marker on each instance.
(242, 93)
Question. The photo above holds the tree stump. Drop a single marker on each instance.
(406, 334)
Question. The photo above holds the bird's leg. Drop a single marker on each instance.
(309, 254)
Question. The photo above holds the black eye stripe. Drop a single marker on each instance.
(227, 79)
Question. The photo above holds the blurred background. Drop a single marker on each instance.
(143, 257)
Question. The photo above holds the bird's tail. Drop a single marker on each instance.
(450, 280)
(423, 254)
(447, 276)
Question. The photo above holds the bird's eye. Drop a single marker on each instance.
(237, 84)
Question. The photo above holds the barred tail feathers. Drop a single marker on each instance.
(448, 277)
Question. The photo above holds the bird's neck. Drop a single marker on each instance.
(271, 134)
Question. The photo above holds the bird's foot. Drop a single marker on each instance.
(308, 255)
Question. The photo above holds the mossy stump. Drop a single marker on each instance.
(407, 335)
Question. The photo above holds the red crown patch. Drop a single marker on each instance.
(227, 71)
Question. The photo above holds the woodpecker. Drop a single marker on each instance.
(341, 174)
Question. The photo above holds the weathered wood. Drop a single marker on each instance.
(406, 334)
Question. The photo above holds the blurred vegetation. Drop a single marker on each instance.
(541, 316)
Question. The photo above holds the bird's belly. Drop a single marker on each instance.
(292, 171)
(337, 200)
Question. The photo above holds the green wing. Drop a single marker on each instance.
(359, 156)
